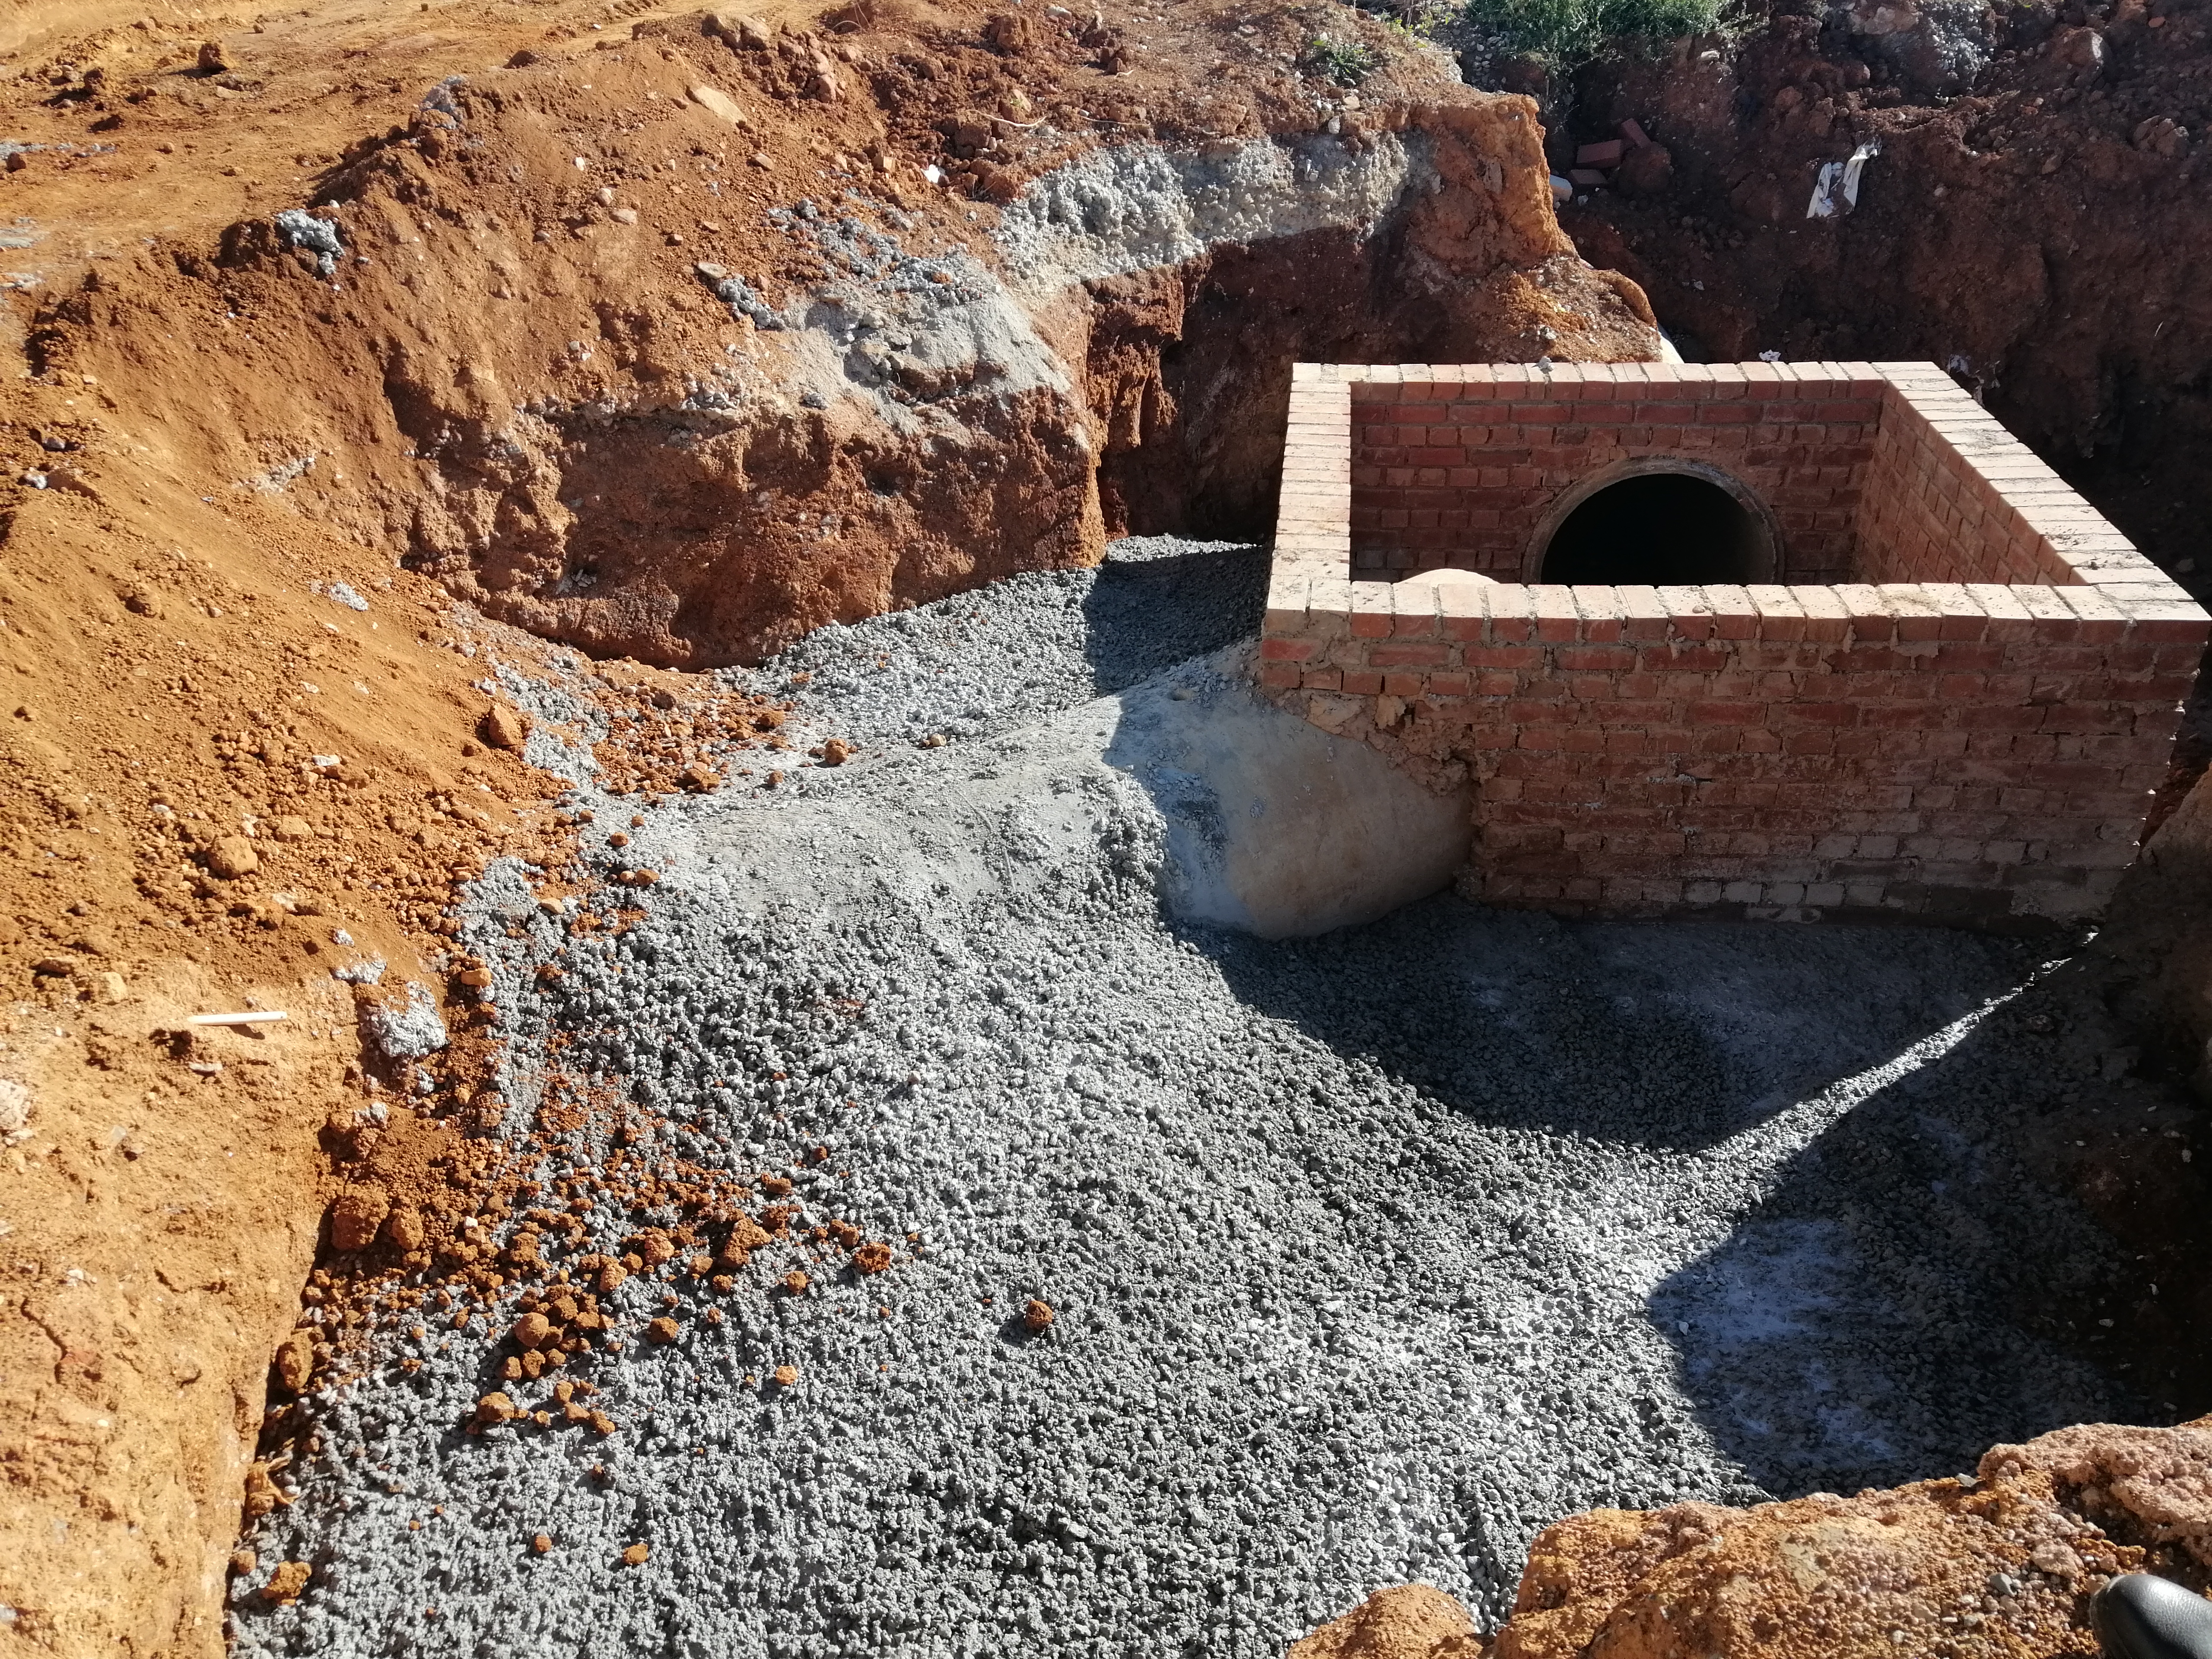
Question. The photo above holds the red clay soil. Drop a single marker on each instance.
(2000, 1565)
(2039, 226)
(1406, 1621)
(515, 375)
(171, 678)
(223, 432)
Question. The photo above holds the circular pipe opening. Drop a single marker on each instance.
(1657, 522)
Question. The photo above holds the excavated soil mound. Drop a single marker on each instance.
(679, 341)
(2001, 1563)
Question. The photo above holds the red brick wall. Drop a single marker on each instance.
(1957, 750)
(1458, 466)
(1938, 749)
(1953, 496)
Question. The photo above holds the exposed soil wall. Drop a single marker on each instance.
(600, 364)
(171, 847)
(2032, 220)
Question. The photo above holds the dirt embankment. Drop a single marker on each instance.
(222, 783)
(679, 342)
(649, 332)
(1999, 1564)
(2035, 218)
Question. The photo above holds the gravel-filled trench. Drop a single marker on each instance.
(1369, 1254)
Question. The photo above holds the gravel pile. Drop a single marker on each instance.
(1368, 1256)
(992, 661)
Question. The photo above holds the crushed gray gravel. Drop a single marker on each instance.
(1371, 1255)
(988, 662)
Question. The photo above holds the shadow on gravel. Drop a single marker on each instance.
(1670, 1036)
(1158, 601)
(1915, 1213)
(1864, 1318)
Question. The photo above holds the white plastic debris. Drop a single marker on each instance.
(1561, 190)
(1836, 190)
(254, 1016)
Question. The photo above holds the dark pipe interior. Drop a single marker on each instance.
(1653, 528)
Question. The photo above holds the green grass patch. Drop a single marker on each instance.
(1347, 62)
(1565, 32)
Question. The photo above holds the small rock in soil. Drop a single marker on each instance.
(230, 857)
(357, 1215)
(404, 1229)
(496, 1408)
(296, 1361)
(503, 728)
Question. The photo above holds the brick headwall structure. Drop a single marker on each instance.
(1966, 726)
(1461, 474)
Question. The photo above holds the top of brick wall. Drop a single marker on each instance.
(1389, 382)
(1313, 532)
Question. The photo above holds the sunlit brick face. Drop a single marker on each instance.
(1948, 692)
